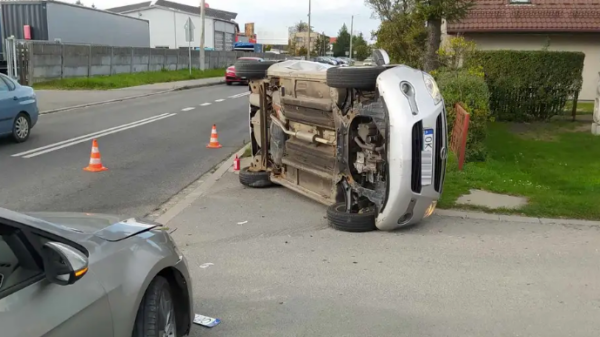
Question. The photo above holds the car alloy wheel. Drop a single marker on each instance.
(21, 127)
(167, 319)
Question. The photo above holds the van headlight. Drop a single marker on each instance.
(432, 87)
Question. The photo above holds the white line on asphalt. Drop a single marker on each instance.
(81, 139)
(240, 95)
(188, 109)
(205, 104)
(85, 136)
(219, 100)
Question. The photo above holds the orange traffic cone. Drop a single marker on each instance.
(95, 161)
(214, 139)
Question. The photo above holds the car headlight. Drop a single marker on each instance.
(432, 87)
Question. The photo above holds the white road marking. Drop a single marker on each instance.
(188, 109)
(205, 104)
(240, 95)
(84, 138)
(219, 100)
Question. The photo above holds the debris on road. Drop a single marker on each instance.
(242, 223)
(206, 265)
(206, 321)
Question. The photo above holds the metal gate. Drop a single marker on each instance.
(17, 59)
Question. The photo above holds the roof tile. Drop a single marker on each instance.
(536, 16)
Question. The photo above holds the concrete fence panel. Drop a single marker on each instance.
(121, 60)
(140, 59)
(172, 59)
(100, 60)
(51, 60)
(76, 61)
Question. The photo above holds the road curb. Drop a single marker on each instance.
(186, 87)
(512, 218)
(209, 179)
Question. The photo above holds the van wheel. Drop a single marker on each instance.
(363, 78)
(363, 221)
(156, 314)
(252, 70)
(255, 179)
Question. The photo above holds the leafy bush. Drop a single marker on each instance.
(529, 85)
(462, 86)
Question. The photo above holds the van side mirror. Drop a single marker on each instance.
(63, 264)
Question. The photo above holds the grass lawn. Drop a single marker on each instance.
(555, 165)
(128, 80)
(583, 108)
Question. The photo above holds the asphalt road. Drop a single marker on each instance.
(265, 262)
(153, 147)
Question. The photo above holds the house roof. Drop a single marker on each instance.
(533, 16)
(332, 39)
(214, 13)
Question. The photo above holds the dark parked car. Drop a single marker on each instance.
(230, 75)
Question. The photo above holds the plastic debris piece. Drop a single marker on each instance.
(206, 321)
(206, 265)
(242, 223)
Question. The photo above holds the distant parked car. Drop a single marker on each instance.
(368, 62)
(18, 109)
(230, 75)
(325, 60)
(76, 274)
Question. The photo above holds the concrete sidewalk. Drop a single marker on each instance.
(266, 263)
(58, 100)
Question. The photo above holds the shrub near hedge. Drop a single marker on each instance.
(472, 92)
(529, 85)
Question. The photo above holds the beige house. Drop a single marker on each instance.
(300, 39)
(566, 25)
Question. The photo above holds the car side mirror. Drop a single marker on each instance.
(63, 264)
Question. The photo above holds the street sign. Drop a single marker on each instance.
(189, 30)
(347, 53)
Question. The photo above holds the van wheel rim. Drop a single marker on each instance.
(21, 127)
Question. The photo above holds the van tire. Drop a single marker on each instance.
(362, 78)
(362, 222)
(252, 70)
(255, 179)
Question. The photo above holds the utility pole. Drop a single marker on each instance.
(351, 34)
(202, 14)
(323, 44)
(308, 49)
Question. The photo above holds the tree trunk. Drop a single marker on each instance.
(434, 38)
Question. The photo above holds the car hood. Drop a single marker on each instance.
(105, 226)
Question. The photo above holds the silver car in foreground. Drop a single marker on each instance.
(73, 275)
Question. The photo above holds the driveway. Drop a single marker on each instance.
(266, 263)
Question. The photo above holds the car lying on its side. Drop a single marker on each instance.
(369, 142)
(73, 275)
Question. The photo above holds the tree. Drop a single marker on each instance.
(420, 12)
(360, 47)
(342, 45)
(321, 45)
(93, 6)
(79, 3)
(301, 27)
(404, 38)
(301, 51)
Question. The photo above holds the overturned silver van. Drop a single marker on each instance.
(368, 142)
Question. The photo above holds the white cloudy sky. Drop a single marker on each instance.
(269, 15)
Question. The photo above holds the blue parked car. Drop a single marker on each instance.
(18, 109)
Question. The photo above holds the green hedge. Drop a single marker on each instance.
(529, 85)
(472, 92)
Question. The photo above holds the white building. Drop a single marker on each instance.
(167, 24)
